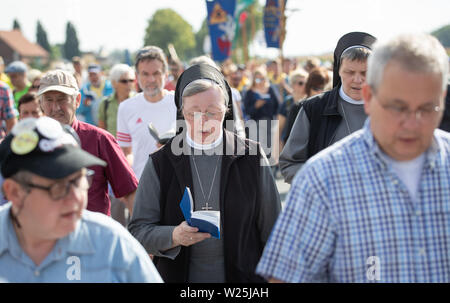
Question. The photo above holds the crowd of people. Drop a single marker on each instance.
(91, 194)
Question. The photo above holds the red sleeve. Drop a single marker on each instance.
(118, 172)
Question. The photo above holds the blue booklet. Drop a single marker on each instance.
(206, 221)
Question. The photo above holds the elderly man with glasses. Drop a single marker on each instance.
(46, 235)
(375, 206)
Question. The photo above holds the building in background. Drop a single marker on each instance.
(14, 46)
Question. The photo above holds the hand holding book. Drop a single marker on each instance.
(186, 235)
(205, 221)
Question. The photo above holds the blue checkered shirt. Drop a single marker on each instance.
(349, 218)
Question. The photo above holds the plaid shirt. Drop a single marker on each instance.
(349, 218)
(6, 107)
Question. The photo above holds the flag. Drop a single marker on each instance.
(221, 25)
(241, 15)
(272, 23)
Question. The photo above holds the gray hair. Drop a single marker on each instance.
(355, 53)
(118, 70)
(202, 85)
(203, 59)
(151, 53)
(22, 176)
(414, 52)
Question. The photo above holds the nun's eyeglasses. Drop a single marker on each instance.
(198, 115)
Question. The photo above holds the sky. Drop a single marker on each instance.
(313, 26)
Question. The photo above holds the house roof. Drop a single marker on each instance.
(20, 44)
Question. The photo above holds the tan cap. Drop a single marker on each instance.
(58, 80)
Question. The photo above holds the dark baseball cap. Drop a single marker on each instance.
(44, 147)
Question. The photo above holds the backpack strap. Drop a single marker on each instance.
(105, 107)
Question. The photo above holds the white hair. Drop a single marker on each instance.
(203, 59)
(201, 85)
(296, 74)
(118, 70)
(415, 52)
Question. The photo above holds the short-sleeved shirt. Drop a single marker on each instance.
(19, 94)
(99, 250)
(6, 107)
(107, 112)
(133, 117)
(349, 217)
(117, 172)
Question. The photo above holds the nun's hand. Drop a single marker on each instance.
(187, 235)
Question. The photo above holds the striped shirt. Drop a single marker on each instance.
(349, 218)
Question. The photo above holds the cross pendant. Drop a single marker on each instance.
(207, 207)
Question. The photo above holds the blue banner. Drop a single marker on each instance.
(221, 25)
(272, 23)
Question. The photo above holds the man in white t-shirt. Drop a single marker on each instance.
(154, 104)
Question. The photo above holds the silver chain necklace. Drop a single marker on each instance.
(345, 118)
(206, 207)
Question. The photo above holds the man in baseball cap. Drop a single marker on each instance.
(59, 99)
(45, 224)
(17, 73)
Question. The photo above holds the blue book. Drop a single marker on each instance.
(206, 221)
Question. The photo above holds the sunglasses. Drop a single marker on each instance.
(125, 81)
(318, 88)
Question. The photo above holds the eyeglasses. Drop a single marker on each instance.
(125, 81)
(318, 89)
(402, 113)
(198, 115)
(60, 190)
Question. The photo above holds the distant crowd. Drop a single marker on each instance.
(184, 157)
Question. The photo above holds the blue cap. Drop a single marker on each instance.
(94, 68)
(16, 67)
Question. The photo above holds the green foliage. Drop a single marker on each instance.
(165, 27)
(71, 46)
(56, 52)
(16, 25)
(41, 37)
(200, 38)
(255, 16)
(443, 35)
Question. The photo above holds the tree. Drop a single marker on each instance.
(443, 35)
(253, 23)
(16, 25)
(71, 47)
(41, 37)
(56, 52)
(200, 37)
(165, 27)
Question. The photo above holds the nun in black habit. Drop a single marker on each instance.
(326, 118)
(224, 172)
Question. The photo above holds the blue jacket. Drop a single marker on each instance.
(88, 114)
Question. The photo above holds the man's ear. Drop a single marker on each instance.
(13, 191)
(367, 94)
(78, 100)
